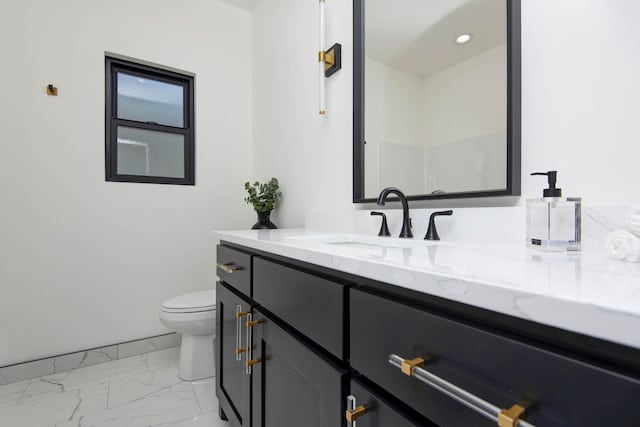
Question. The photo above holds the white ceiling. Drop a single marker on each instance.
(418, 36)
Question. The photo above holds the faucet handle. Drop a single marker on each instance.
(384, 228)
(432, 233)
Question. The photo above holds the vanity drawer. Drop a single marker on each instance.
(378, 412)
(311, 304)
(499, 370)
(234, 268)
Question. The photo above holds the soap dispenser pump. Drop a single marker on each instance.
(552, 191)
(554, 222)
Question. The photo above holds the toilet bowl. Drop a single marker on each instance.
(194, 316)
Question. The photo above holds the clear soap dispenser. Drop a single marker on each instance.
(554, 222)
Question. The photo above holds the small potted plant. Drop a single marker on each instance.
(263, 198)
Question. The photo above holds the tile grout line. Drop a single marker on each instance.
(24, 391)
(77, 406)
(197, 398)
(108, 394)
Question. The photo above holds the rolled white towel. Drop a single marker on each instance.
(623, 245)
(633, 221)
(634, 209)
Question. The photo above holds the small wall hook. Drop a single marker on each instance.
(52, 90)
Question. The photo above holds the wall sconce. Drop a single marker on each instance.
(329, 61)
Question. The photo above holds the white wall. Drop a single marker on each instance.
(309, 154)
(417, 128)
(394, 129)
(468, 99)
(579, 102)
(84, 262)
(465, 124)
(580, 97)
(465, 118)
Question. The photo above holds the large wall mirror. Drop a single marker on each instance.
(436, 98)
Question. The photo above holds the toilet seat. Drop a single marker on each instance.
(193, 302)
(188, 310)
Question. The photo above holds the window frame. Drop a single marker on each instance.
(115, 65)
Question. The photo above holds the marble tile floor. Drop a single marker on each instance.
(67, 362)
(138, 391)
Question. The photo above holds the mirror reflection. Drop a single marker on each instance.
(435, 113)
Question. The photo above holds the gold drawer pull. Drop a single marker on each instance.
(252, 362)
(511, 417)
(409, 366)
(227, 267)
(239, 351)
(241, 314)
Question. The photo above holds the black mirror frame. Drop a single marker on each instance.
(513, 110)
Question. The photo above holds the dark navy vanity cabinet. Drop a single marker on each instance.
(303, 345)
(292, 384)
(233, 386)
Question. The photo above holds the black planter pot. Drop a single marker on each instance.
(263, 221)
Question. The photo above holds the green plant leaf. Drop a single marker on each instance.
(263, 196)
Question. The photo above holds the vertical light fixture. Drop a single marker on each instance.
(329, 61)
(321, 59)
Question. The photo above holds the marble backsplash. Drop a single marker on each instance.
(481, 224)
(38, 368)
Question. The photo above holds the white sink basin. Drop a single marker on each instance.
(355, 241)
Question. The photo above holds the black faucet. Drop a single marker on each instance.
(406, 226)
(432, 233)
(384, 228)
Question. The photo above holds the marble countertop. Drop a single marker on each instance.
(583, 292)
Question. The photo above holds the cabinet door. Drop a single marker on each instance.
(293, 385)
(377, 411)
(233, 386)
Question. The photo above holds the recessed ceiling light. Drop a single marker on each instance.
(141, 80)
(463, 38)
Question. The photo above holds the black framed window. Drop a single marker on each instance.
(149, 124)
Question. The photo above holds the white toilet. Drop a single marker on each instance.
(194, 316)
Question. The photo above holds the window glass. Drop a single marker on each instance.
(150, 153)
(150, 101)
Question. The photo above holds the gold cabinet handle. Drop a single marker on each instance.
(408, 366)
(511, 417)
(354, 412)
(252, 362)
(253, 323)
(239, 314)
(227, 267)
